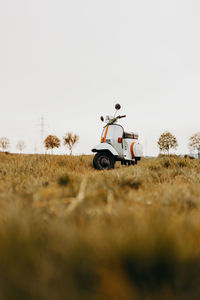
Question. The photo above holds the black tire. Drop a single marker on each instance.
(103, 161)
(137, 159)
(127, 162)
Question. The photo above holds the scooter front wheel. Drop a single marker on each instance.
(103, 161)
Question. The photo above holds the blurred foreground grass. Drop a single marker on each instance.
(70, 232)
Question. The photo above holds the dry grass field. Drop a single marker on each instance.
(70, 232)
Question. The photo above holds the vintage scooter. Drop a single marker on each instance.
(116, 145)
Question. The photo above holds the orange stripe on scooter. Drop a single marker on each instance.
(132, 153)
(105, 134)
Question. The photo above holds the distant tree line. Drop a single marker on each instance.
(168, 141)
(51, 142)
(69, 140)
(5, 144)
(165, 142)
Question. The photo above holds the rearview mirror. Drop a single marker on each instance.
(102, 118)
(117, 106)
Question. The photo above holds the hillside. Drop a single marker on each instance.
(70, 232)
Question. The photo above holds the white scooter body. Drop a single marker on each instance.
(122, 146)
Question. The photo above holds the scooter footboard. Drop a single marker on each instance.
(105, 147)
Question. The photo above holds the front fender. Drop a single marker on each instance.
(103, 147)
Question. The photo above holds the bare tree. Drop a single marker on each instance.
(21, 145)
(70, 140)
(167, 141)
(51, 142)
(4, 143)
(194, 143)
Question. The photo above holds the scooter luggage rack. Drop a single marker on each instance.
(130, 135)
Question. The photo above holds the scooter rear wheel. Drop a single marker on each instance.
(103, 161)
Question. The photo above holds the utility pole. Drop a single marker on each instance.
(146, 147)
(35, 149)
(42, 130)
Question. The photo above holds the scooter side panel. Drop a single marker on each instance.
(105, 146)
(137, 149)
(132, 149)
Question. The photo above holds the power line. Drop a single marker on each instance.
(42, 129)
(42, 125)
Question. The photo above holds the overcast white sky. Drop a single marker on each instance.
(72, 60)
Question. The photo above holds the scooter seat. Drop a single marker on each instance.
(130, 135)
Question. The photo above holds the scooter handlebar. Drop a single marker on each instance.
(124, 116)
